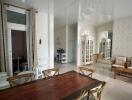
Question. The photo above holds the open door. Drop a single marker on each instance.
(19, 51)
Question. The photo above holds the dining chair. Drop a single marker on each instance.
(96, 92)
(93, 94)
(88, 71)
(82, 95)
(20, 79)
(28, 72)
(50, 72)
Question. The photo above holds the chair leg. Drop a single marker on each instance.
(88, 95)
(100, 97)
(115, 75)
(91, 74)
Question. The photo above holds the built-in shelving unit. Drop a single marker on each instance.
(87, 50)
(61, 57)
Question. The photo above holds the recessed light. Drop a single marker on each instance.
(23, 0)
(109, 16)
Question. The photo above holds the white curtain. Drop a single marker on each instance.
(3, 40)
(31, 39)
(1, 43)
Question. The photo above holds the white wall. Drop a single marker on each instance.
(60, 38)
(42, 33)
(100, 30)
(122, 37)
(72, 43)
(45, 32)
(66, 38)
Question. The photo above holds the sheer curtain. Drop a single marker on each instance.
(3, 40)
(31, 39)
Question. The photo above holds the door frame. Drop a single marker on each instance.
(10, 27)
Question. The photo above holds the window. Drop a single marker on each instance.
(15, 17)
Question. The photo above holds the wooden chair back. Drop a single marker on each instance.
(20, 79)
(86, 71)
(50, 72)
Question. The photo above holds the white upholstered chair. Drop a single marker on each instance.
(119, 61)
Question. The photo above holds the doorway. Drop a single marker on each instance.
(19, 51)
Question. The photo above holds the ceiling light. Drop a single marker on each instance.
(20, 0)
(109, 16)
(23, 0)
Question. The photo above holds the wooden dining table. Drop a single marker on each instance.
(65, 86)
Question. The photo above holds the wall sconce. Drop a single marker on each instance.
(40, 41)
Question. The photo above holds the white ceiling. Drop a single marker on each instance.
(41, 5)
(67, 10)
(111, 9)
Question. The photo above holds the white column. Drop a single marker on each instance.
(67, 23)
(78, 35)
(51, 33)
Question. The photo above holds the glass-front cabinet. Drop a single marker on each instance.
(87, 49)
(106, 45)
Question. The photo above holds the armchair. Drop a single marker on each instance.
(120, 61)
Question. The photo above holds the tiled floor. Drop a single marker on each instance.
(116, 89)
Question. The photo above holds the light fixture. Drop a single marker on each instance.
(23, 0)
(19, 0)
(109, 16)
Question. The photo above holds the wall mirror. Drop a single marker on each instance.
(105, 44)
